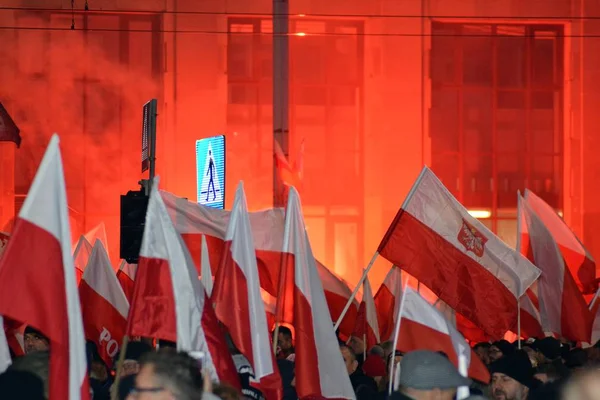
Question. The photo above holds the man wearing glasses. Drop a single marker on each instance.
(168, 375)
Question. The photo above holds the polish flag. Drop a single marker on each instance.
(577, 258)
(423, 327)
(98, 233)
(290, 174)
(103, 305)
(366, 321)
(337, 295)
(563, 309)
(81, 255)
(194, 221)
(169, 301)
(205, 270)
(531, 320)
(126, 278)
(5, 358)
(435, 240)
(387, 302)
(238, 302)
(37, 269)
(320, 369)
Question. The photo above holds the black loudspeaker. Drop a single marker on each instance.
(133, 219)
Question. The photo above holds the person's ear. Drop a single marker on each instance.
(354, 365)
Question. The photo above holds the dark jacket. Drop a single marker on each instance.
(364, 386)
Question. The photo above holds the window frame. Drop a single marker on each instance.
(529, 88)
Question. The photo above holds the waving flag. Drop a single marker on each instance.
(169, 301)
(238, 301)
(423, 327)
(387, 302)
(126, 278)
(366, 320)
(103, 304)
(563, 309)
(320, 369)
(197, 223)
(37, 269)
(437, 241)
(81, 255)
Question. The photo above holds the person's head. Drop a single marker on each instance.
(35, 340)
(167, 375)
(349, 359)
(576, 359)
(512, 377)
(388, 348)
(284, 339)
(532, 354)
(426, 374)
(36, 363)
(547, 373)
(482, 350)
(377, 350)
(500, 349)
(548, 349)
(134, 352)
(226, 392)
(356, 344)
(583, 385)
(397, 358)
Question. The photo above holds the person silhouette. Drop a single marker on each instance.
(211, 168)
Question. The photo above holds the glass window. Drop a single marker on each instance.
(497, 129)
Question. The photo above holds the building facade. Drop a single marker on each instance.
(495, 96)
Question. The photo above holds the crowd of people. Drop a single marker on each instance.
(530, 370)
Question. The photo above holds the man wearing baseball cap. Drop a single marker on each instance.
(425, 375)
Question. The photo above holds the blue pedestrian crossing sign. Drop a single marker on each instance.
(210, 171)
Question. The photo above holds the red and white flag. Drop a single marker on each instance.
(563, 309)
(387, 302)
(81, 255)
(98, 233)
(205, 269)
(37, 269)
(435, 240)
(366, 321)
(126, 278)
(169, 301)
(103, 305)
(238, 302)
(196, 223)
(577, 258)
(320, 369)
(423, 327)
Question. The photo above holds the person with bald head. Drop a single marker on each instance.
(584, 385)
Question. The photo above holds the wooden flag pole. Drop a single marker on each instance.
(358, 285)
(114, 390)
(519, 323)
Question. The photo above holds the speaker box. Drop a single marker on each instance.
(133, 219)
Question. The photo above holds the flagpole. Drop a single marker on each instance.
(595, 298)
(114, 390)
(396, 334)
(358, 285)
(519, 322)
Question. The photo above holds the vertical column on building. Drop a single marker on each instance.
(280, 91)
